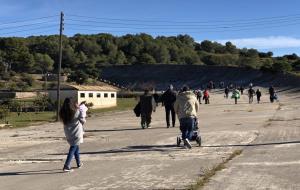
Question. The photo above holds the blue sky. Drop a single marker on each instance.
(267, 25)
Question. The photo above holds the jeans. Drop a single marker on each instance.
(169, 109)
(186, 127)
(74, 150)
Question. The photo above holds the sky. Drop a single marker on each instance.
(266, 25)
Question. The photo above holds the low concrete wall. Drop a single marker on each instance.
(26, 95)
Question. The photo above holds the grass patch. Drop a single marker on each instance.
(29, 118)
(32, 118)
(211, 172)
(122, 104)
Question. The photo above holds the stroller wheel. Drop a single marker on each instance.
(198, 140)
(178, 141)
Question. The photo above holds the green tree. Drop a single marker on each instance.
(207, 46)
(282, 66)
(230, 48)
(79, 77)
(121, 58)
(146, 59)
(296, 65)
(43, 62)
(266, 64)
(161, 54)
(17, 55)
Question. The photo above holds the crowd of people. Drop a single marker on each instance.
(185, 104)
(237, 92)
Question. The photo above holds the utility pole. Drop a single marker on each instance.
(59, 64)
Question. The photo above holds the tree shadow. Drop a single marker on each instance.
(250, 145)
(115, 130)
(37, 172)
(131, 149)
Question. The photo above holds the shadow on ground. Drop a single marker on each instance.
(113, 130)
(249, 145)
(130, 149)
(37, 172)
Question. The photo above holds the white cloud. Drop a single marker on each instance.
(270, 42)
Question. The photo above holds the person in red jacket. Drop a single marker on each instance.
(206, 96)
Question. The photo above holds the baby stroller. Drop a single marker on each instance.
(195, 136)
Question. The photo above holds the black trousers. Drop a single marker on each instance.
(146, 119)
(170, 109)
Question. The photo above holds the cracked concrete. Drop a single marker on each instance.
(117, 154)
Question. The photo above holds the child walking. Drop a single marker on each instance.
(73, 120)
(83, 109)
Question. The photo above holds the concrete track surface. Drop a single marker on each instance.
(118, 154)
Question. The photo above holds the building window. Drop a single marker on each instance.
(82, 95)
(105, 95)
(98, 95)
(112, 95)
(90, 95)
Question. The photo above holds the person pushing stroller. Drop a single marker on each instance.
(186, 107)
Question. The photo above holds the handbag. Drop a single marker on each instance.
(137, 110)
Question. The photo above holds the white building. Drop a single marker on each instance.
(101, 96)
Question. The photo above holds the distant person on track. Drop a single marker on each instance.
(147, 106)
(251, 93)
(73, 120)
(206, 96)
(235, 95)
(258, 95)
(199, 94)
(242, 90)
(168, 99)
(186, 108)
(272, 94)
(226, 91)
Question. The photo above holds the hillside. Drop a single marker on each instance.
(159, 76)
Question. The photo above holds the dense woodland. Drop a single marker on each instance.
(84, 55)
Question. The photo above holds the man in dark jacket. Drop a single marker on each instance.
(147, 104)
(258, 95)
(226, 92)
(272, 94)
(251, 93)
(168, 99)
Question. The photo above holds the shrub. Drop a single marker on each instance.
(43, 102)
(5, 76)
(282, 66)
(28, 79)
(3, 113)
(23, 86)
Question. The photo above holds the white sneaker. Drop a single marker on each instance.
(187, 143)
(68, 170)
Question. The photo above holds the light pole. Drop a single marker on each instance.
(59, 65)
